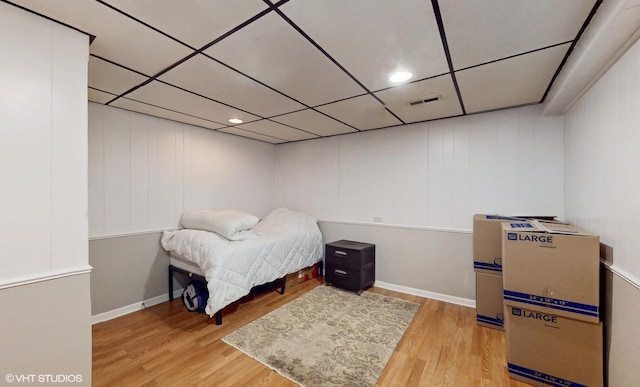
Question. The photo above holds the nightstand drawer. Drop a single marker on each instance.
(349, 254)
(343, 277)
(350, 279)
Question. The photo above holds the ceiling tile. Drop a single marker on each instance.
(128, 104)
(363, 112)
(169, 97)
(197, 23)
(630, 17)
(255, 136)
(396, 99)
(373, 38)
(511, 82)
(483, 31)
(314, 122)
(111, 78)
(100, 96)
(276, 130)
(118, 38)
(271, 50)
(211, 79)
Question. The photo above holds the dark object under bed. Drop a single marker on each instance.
(198, 277)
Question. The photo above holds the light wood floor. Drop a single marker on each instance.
(165, 345)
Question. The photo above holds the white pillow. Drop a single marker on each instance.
(228, 223)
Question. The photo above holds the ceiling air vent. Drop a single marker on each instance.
(421, 101)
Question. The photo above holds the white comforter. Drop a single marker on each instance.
(288, 241)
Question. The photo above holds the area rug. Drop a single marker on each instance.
(328, 336)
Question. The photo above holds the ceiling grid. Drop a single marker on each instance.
(295, 70)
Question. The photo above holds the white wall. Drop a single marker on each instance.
(144, 172)
(43, 147)
(435, 174)
(602, 195)
(44, 280)
(602, 183)
(424, 180)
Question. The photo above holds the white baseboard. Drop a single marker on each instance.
(384, 285)
(426, 294)
(101, 317)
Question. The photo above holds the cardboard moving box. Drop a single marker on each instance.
(544, 349)
(487, 242)
(489, 303)
(551, 268)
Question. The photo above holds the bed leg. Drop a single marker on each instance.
(283, 281)
(218, 317)
(170, 283)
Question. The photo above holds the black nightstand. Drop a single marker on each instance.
(350, 265)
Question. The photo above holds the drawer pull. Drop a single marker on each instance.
(340, 253)
(340, 272)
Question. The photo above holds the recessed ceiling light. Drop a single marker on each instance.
(235, 120)
(400, 76)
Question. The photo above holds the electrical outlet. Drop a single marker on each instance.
(377, 219)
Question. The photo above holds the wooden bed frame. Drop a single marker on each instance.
(198, 277)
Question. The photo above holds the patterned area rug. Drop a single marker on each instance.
(328, 337)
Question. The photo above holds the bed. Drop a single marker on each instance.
(236, 253)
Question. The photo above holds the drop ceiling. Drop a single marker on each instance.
(302, 69)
